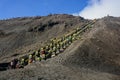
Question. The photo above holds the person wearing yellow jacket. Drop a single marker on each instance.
(37, 56)
(22, 62)
(49, 53)
(42, 53)
(30, 59)
(54, 51)
(61, 46)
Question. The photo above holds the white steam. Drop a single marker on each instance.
(100, 8)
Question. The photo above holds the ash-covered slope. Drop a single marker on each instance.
(100, 49)
(96, 56)
(21, 35)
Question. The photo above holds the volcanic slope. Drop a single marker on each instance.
(24, 35)
(96, 56)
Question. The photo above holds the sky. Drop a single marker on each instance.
(89, 9)
(18, 8)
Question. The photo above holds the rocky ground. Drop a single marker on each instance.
(96, 56)
(22, 35)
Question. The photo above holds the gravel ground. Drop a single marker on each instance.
(94, 57)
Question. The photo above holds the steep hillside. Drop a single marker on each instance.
(22, 35)
(100, 49)
(96, 56)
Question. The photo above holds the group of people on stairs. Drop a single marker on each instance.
(56, 46)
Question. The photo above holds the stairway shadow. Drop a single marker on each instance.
(4, 66)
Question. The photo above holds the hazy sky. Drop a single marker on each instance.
(86, 8)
